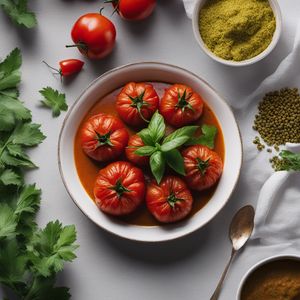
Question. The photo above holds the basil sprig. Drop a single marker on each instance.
(207, 138)
(163, 150)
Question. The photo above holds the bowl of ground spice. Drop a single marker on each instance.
(237, 32)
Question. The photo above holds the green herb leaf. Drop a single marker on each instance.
(175, 160)
(11, 109)
(183, 131)
(55, 100)
(145, 151)
(146, 137)
(157, 165)
(157, 127)
(8, 221)
(52, 246)
(17, 10)
(207, 138)
(175, 143)
(10, 177)
(291, 160)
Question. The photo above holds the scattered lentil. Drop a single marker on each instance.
(278, 118)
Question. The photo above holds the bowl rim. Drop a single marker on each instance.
(277, 33)
(263, 262)
(94, 82)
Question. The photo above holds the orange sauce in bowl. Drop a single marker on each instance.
(88, 169)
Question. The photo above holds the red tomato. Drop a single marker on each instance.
(203, 167)
(94, 35)
(103, 137)
(119, 188)
(180, 105)
(170, 201)
(134, 10)
(70, 66)
(136, 103)
(134, 143)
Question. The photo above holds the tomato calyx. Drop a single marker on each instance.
(138, 102)
(58, 71)
(172, 199)
(183, 101)
(103, 139)
(202, 165)
(119, 188)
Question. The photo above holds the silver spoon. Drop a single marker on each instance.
(240, 231)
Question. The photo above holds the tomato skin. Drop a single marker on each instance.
(134, 10)
(212, 170)
(180, 113)
(124, 104)
(96, 33)
(70, 66)
(131, 179)
(134, 143)
(102, 125)
(157, 199)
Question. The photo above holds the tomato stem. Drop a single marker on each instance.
(172, 199)
(119, 188)
(182, 101)
(138, 102)
(202, 165)
(57, 70)
(103, 139)
(81, 45)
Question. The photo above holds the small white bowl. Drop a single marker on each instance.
(277, 12)
(261, 263)
(149, 72)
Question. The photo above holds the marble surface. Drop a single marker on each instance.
(107, 267)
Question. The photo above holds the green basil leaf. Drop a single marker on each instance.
(290, 161)
(175, 143)
(157, 127)
(186, 130)
(157, 165)
(175, 161)
(207, 138)
(145, 151)
(146, 137)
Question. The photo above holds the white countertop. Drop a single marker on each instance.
(107, 267)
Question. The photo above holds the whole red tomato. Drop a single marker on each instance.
(136, 103)
(180, 105)
(134, 10)
(119, 188)
(203, 167)
(170, 201)
(94, 35)
(134, 143)
(103, 137)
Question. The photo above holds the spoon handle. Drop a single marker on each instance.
(216, 294)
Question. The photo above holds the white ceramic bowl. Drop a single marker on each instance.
(149, 72)
(261, 263)
(277, 12)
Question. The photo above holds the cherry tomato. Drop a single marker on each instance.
(136, 103)
(94, 35)
(134, 143)
(68, 67)
(170, 201)
(134, 10)
(203, 167)
(180, 105)
(103, 137)
(119, 188)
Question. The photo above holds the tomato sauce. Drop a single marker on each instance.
(88, 169)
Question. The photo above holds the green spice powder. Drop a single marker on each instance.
(237, 29)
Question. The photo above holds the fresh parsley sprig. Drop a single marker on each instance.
(18, 11)
(29, 257)
(162, 150)
(290, 161)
